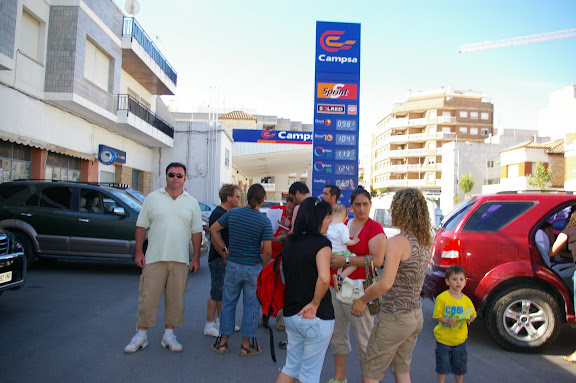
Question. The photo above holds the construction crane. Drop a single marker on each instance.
(518, 41)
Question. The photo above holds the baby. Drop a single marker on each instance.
(340, 237)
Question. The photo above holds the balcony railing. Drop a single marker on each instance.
(132, 29)
(405, 122)
(129, 103)
(421, 137)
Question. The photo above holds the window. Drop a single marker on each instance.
(14, 161)
(474, 115)
(484, 116)
(57, 197)
(489, 164)
(463, 130)
(484, 132)
(446, 114)
(446, 130)
(493, 216)
(107, 177)
(62, 167)
(30, 37)
(463, 114)
(383, 217)
(226, 157)
(96, 66)
(474, 131)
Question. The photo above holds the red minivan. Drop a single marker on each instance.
(522, 300)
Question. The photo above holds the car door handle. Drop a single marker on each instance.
(26, 214)
(83, 220)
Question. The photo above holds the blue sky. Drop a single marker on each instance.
(260, 54)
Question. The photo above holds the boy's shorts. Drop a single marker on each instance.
(217, 274)
(451, 359)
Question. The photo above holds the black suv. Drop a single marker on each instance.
(12, 262)
(72, 220)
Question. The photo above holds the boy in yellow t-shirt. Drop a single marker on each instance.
(454, 312)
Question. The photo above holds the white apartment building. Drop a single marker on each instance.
(75, 76)
(407, 144)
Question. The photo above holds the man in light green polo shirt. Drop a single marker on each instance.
(172, 217)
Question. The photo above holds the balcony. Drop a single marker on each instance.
(410, 184)
(142, 60)
(142, 125)
(405, 122)
(421, 137)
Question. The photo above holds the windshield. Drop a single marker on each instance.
(136, 195)
(129, 200)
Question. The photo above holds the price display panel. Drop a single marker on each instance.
(346, 139)
(345, 154)
(345, 170)
(346, 184)
(349, 125)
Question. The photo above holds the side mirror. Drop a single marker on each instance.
(119, 211)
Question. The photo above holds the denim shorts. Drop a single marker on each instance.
(451, 359)
(308, 340)
(217, 273)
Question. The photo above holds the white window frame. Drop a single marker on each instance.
(484, 132)
(463, 114)
(31, 36)
(484, 116)
(463, 130)
(473, 115)
(474, 131)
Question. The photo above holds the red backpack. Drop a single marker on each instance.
(270, 291)
(270, 288)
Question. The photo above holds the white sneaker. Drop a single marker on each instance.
(172, 343)
(136, 344)
(211, 331)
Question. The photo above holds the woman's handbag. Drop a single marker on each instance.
(371, 279)
(351, 289)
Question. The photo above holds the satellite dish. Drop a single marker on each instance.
(132, 7)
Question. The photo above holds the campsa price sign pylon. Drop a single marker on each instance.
(336, 108)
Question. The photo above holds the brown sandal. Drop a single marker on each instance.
(218, 345)
(252, 349)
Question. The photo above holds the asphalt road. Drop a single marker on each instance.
(71, 321)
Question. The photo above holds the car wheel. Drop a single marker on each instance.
(27, 247)
(523, 319)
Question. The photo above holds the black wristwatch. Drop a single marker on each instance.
(347, 260)
(224, 249)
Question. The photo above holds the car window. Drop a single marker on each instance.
(7, 191)
(203, 207)
(493, 215)
(383, 217)
(91, 201)
(456, 215)
(56, 197)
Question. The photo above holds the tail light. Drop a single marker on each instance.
(451, 253)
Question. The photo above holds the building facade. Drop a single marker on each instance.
(407, 145)
(77, 76)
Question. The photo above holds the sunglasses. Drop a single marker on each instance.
(172, 175)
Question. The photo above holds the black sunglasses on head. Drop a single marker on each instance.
(172, 175)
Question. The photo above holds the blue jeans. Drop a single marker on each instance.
(308, 340)
(240, 279)
(451, 359)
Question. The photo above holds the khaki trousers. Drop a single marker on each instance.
(170, 278)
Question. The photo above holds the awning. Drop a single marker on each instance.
(44, 145)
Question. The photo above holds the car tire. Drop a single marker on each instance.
(523, 319)
(27, 246)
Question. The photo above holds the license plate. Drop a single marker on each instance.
(6, 277)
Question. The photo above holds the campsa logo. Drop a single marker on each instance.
(268, 135)
(332, 41)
